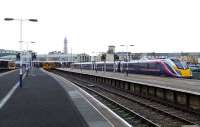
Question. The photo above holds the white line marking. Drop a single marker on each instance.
(7, 97)
(9, 94)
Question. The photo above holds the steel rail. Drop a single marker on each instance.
(134, 100)
(145, 120)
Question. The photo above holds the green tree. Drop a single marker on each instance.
(103, 57)
(116, 57)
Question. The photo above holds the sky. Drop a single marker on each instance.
(92, 25)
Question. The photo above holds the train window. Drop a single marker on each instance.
(125, 65)
(132, 65)
(169, 68)
(137, 65)
(3, 64)
(184, 64)
(180, 64)
(158, 66)
(152, 65)
(143, 65)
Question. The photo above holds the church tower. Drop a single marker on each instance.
(65, 46)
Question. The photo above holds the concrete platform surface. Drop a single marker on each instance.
(184, 85)
(94, 112)
(42, 102)
(7, 81)
(47, 100)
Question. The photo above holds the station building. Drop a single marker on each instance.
(8, 53)
(189, 57)
(59, 56)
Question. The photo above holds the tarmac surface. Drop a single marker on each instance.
(42, 102)
(7, 81)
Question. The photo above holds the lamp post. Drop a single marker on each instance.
(28, 57)
(127, 57)
(81, 62)
(31, 62)
(95, 59)
(20, 41)
(94, 67)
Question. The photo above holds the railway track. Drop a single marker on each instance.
(146, 112)
(130, 116)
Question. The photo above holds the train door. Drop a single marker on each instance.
(160, 69)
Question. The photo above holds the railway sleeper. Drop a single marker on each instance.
(164, 96)
(176, 99)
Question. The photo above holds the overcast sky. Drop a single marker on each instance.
(92, 25)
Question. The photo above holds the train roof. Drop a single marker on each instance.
(147, 61)
(84, 63)
(152, 60)
(105, 62)
(51, 61)
(95, 62)
(133, 61)
(5, 60)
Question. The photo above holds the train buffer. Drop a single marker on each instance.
(48, 100)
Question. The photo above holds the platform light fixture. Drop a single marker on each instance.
(8, 19)
(127, 56)
(33, 20)
(21, 21)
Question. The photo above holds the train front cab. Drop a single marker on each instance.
(48, 65)
(182, 68)
(7, 65)
(185, 73)
(11, 65)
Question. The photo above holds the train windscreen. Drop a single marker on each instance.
(3, 64)
(180, 64)
(169, 67)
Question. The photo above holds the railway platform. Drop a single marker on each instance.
(7, 79)
(185, 85)
(48, 100)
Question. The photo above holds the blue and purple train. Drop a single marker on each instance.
(162, 67)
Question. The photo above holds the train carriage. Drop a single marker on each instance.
(87, 66)
(48, 65)
(154, 68)
(106, 66)
(161, 67)
(7, 64)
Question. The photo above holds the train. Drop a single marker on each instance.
(161, 67)
(48, 65)
(7, 65)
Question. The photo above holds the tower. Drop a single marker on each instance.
(65, 46)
